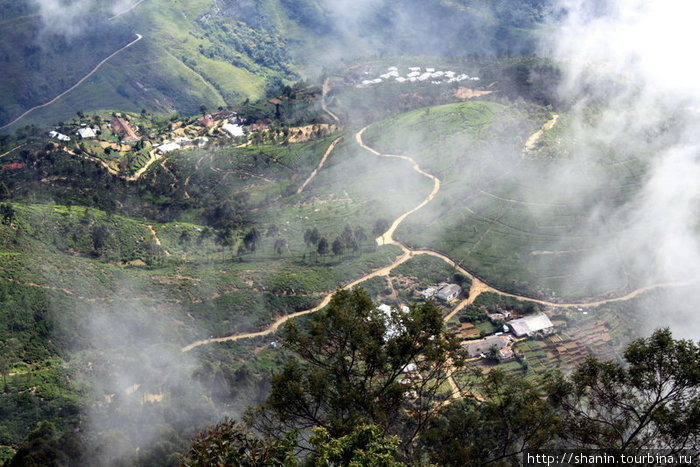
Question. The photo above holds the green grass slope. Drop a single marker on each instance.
(524, 224)
(219, 53)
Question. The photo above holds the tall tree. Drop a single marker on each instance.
(360, 235)
(280, 246)
(251, 239)
(381, 225)
(509, 417)
(357, 365)
(322, 247)
(651, 401)
(338, 247)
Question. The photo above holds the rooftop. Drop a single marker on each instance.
(530, 325)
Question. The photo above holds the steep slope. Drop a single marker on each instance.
(219, 52)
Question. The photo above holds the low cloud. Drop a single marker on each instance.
(628, 60)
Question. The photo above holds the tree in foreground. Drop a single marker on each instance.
(365, 446)
(369, 388)
(357, 365)
(651, 401)
(508, 417)
(230, 443)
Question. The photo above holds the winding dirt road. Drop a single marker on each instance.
(125, 11)
(12, 150)
(97, 67)
(478, 286)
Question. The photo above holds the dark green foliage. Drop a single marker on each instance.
(251, 239)
(322, 247)
(229, 443)
(338, 247)
(365, 446)
(510, 418)
(26, 324)
(471, 314)
(381, 225)
(653, 401)
(45, 446)
(311, 236)
(7, 212)
(38, 394)
(350, 369)
(4, 192)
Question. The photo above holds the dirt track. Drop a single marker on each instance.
(478, 285)
(320, 164)
(97, 67)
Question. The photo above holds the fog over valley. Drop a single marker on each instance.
(331, 232)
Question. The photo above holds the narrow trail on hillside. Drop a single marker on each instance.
(12, 150)
(535, 137)
(152, 158)
(97, 67)
(324, 105)
(125, 11)
(479, 286)
(320, 164)
(103, 163)
(156, 239)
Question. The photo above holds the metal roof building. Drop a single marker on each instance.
(483, 346)
(530, 325)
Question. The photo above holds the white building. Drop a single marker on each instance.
(86, 132)
(530, 325)
(233, 129)
(448, 292)
(167, 147)
(59, 136)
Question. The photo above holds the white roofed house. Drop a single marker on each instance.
(448, 292)
(59, 136)
(86, 132)
(167, 147)
(531, 325)
(429, 292)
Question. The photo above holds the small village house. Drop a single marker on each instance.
(124, 130)
(448, 292)
(484, 346)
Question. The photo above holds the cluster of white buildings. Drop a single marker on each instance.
(59, 136)
(417, 74)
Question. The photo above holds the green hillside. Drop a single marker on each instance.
(220, 53)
